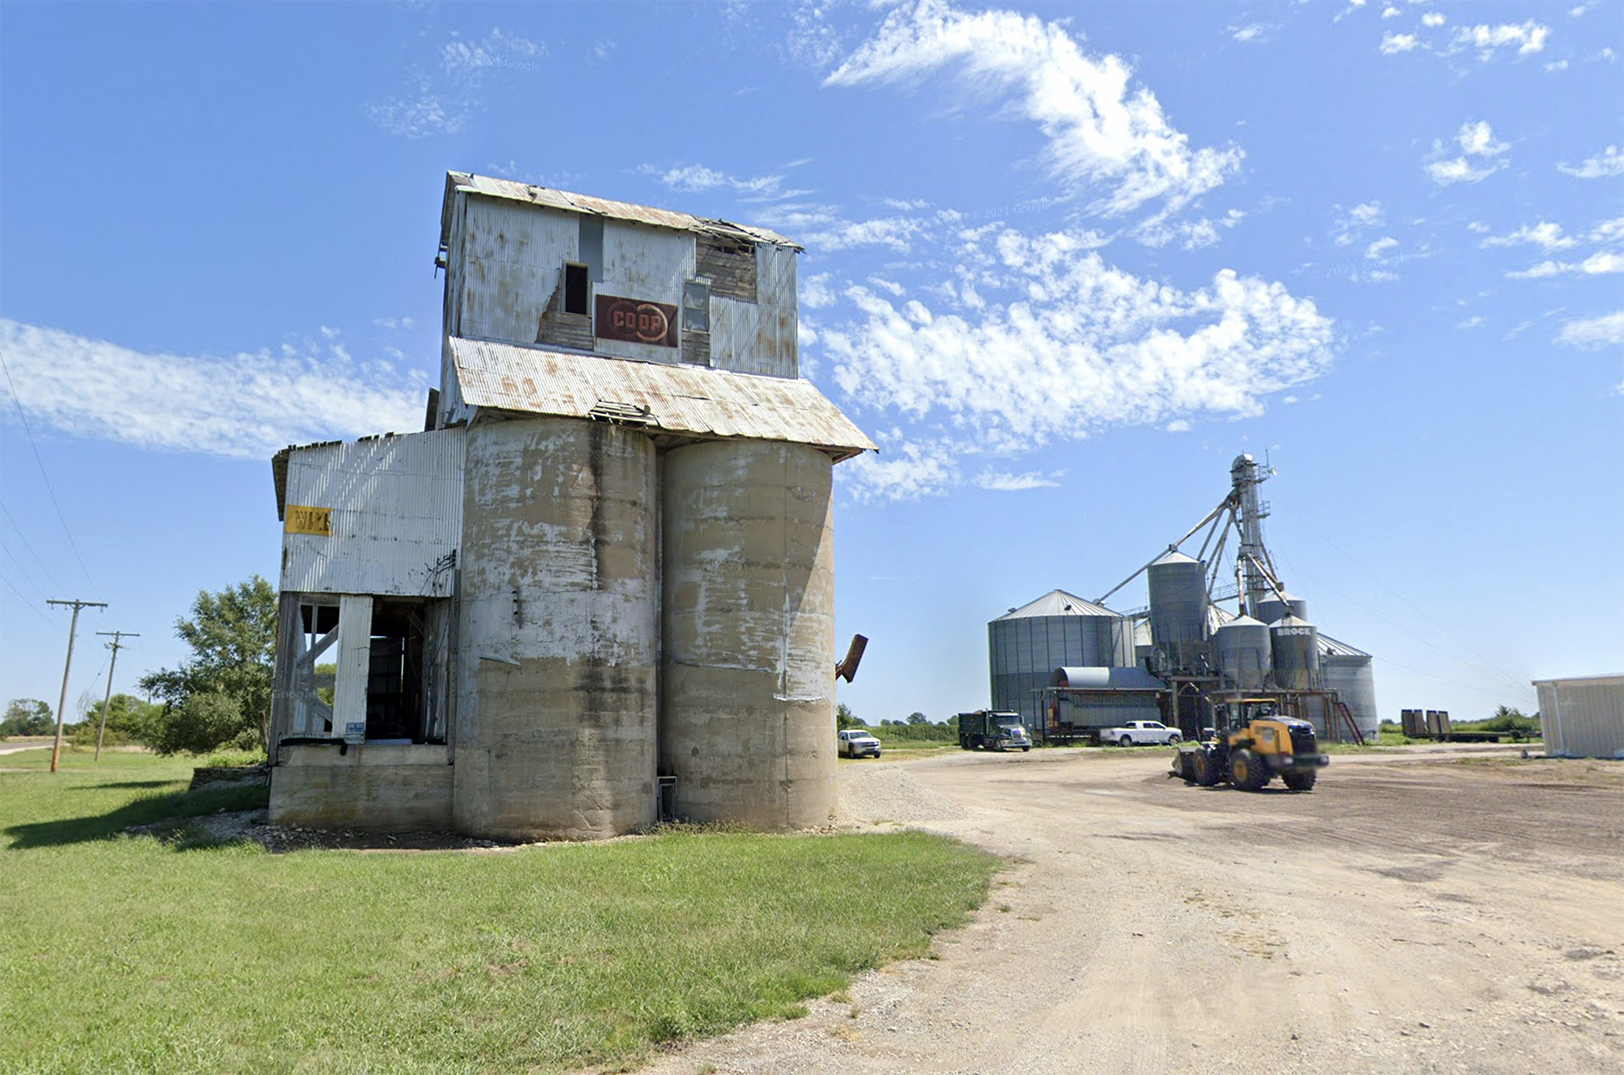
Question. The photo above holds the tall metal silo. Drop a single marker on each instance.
(556, 724)
(1295, 644)
(1272, 609)
(1178, 608)
(747, 684)
(1348, 671)
(1244, 653)
(1026, 645)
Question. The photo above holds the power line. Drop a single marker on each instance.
(18, 402)
(20, 567)
(115, 645)
(48, 576)
(25, 600)
(62, 703)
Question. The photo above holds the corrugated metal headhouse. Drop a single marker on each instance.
(604, 571)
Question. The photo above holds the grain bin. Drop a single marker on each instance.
(1277, 607)
(1295, 644)
(1027, 644)
(555, 731)
(1243, 651)
(1178, 607)
(747, 689)
(1348, 671)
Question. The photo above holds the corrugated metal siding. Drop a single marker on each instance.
(397, 516)
(582, 203)
(1024, 651)
(1583, 717)
(650, 266)
(511, 266)
(679, 399)
(750, 338)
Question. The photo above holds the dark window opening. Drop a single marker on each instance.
(395, 675)
(575, 288)
(696, 306)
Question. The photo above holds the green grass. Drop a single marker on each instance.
(123, 954)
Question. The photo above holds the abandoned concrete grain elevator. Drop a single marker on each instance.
(598, 587)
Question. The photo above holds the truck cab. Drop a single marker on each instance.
(987, 729)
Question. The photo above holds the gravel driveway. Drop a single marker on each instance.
(1434, 912)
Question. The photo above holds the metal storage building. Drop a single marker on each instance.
(1582, 717)
(1059, 629)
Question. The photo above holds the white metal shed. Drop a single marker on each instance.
(1583, 717)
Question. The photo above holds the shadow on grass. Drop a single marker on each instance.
(143, 783)
(176, 806)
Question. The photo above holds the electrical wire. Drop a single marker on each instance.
(25, 600)
(26, 545)
(13, 557)
(17, 401)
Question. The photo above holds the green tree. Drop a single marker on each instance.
(27, 716)
(918, 718)
(232, 635)
(844, 718)
(129, 720)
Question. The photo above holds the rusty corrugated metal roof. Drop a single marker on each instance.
(585, 203)
(684, 400)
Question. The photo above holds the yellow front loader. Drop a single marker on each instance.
(1249, 746)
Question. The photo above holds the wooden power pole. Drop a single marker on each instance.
(115, 645)
(62, 703)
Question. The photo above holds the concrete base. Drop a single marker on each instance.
(380, 788)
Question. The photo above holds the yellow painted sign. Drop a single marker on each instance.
(303, 520)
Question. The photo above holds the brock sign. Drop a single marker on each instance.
(635, 321)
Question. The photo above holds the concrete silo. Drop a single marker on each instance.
(556, 718)
(1027, 644)
(747, 689)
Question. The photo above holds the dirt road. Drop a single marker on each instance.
(1429, 913)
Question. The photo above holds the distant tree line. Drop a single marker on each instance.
(916, 728)
(219, 697)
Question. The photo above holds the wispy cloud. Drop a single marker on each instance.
(1545, 235)
(1595, 265)
(1013, 483)
(441, 98)
(1393, 44)
(248, 405)
(1066, 345)
(1480, 156)
(1609, 162)
(1527, 38)
(691, 178)
(1101, 132)
(1352, 224)
(1594, 332)
(1379, 249)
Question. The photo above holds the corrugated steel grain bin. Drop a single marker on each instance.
(1582, 717)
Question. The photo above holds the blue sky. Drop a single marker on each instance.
(1063, 262)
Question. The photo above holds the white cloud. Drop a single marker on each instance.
(1591, 333)
(1609, 162)
(1070, 345)
(1545, 235)
(1100, 131)
(693, 178)
(248, 405)
(1157, 232)
(816, 292)
(1391, 12)
(1475, 140)
(1378, 249)
(1393, 44)
(1557, 65)
(917, 469)
(1528, 37)
(1598, 264)
(1350, 225)
(1475, 321)
(442, 102)
(1177, 425)
(1252, 31)
(1012, 483)
(823, 228)
(1433, 19)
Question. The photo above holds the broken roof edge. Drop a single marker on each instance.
(590, 205)
(672, 399)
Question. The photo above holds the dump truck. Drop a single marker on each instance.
(990, 730)
(1249, 745)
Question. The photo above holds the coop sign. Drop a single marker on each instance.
(635, 321)
(305, 520)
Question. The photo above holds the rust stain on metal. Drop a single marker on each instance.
(675, 398)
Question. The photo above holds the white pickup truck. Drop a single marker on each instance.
(1140, 732)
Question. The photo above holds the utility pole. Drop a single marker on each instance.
(62, 703)
(115, 646)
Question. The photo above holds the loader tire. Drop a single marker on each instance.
(1300, 779)
(1204, 770)
(1247, 771)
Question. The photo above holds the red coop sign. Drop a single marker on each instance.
(635, 321)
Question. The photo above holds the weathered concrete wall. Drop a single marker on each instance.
(555, 730)
(747, 687)
(389, 788)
